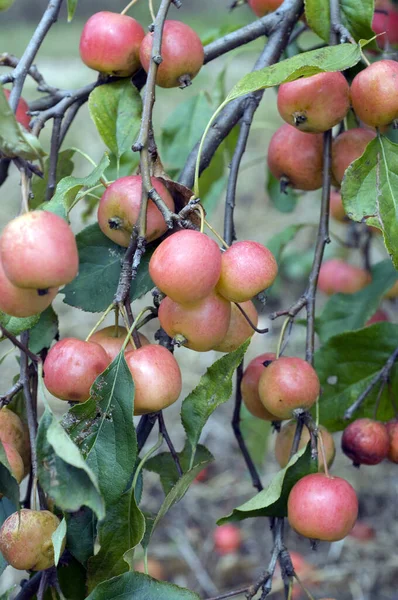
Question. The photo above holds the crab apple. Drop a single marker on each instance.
(247, 268)
(119, 207)
(263, 7)
(362, 532)
(15, 461)
(20, 302)
(157, 378)
(12, 430)
(154, 568)
(374, 93)
(112, 340)
(239, 329)
(72, 366)
(314, 104)
(379, 316)
(25, 539)
(249, 387)
(336, 275)
(385, 22)
(366, 442)
(286, 384)
(21, 113)
(204, 325)
(347, 147)
(202, 476)
(297, 157)
(323, 508)
(227, 539)
(38, 250)
(186, 266)
(110, 43)
(337, 210)
(284, 442)
(182, 55)
(392, 430)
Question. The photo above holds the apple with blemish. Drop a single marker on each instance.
(365, 442)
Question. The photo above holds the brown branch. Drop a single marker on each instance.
(19, 344)
(165, 433)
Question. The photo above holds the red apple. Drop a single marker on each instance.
(227, 539)
(337, 210)
(21, 114)
(72, 366)
(239, 329)
(263, 7)
(119, 207)
(379, 316)
(362, 532)
(366, 442)
(336, 276)
(392, 429)
(112, 340)
(110, 43)
(347, 147)
(249, 387)
(374, 93)
(157, 378)
(284, 442)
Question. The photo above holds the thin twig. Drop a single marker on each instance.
(6, 399)
(19, 344)
(30, 587)
(165, 433)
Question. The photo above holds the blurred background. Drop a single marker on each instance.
(362, 567)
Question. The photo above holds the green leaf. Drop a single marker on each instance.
(57, 539)
(215, 388)
(332, 58)
(62, 471)
(122, 530)
(355, 16)
(116, 111)
(8, 484)
(72, 579)
(286, 201)
(14, 141)
(99, 270)
(272, 502)
(278, 242)
(44, 331)
(81, 533)
(370, 191)
(15, 325)
(70, 189)
(345, 312)
(72, 4)
(65, 167)
(103, 429)
(164, 465)
(346, 365)
(132, 585)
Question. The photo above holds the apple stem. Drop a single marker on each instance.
(306, 592)
(127, 8)
(218, 236)
(129, 336)
(256, 329)
(321, 444)
(281, 337)
(102, 319)
(201, 212)
(151, 10)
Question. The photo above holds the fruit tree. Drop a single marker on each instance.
(74, 520)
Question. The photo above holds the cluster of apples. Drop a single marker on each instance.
(272, 389)
(116, 44)
(369, 442)
(38, 254)
(313, 105)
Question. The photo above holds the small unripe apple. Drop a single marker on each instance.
(12, 430)
(110, 43)
(374, 93)
(204, 325)
(301, 169)
(385, 22)
(112, 340)
(119, 207)
(263, 7)
(247, 268)
(284, 442)
(315, 104)
(337, 210)
(186, 266)
(347, 147)
(379, 316)
(157, 378)
(249, 387)
(155, 568)
(72, 366)
(21, 113)
(336, 275)
(321, 507)
(392, 430)
(286, 384)
(182, 55)
(25, 539)
(239, 329)
(227, 539)
(20, 302)
(15, 461)
(38, 250)
(366, 442)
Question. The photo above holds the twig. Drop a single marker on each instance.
(30, 587)
(144, 428)
(9, 60)
(382, 376)
(165, 433)
(13, 391)
(230, 594)
(19, 344)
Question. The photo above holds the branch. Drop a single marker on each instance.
(9, 60)
(165, 433)
(30, 588)
(19, 344)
